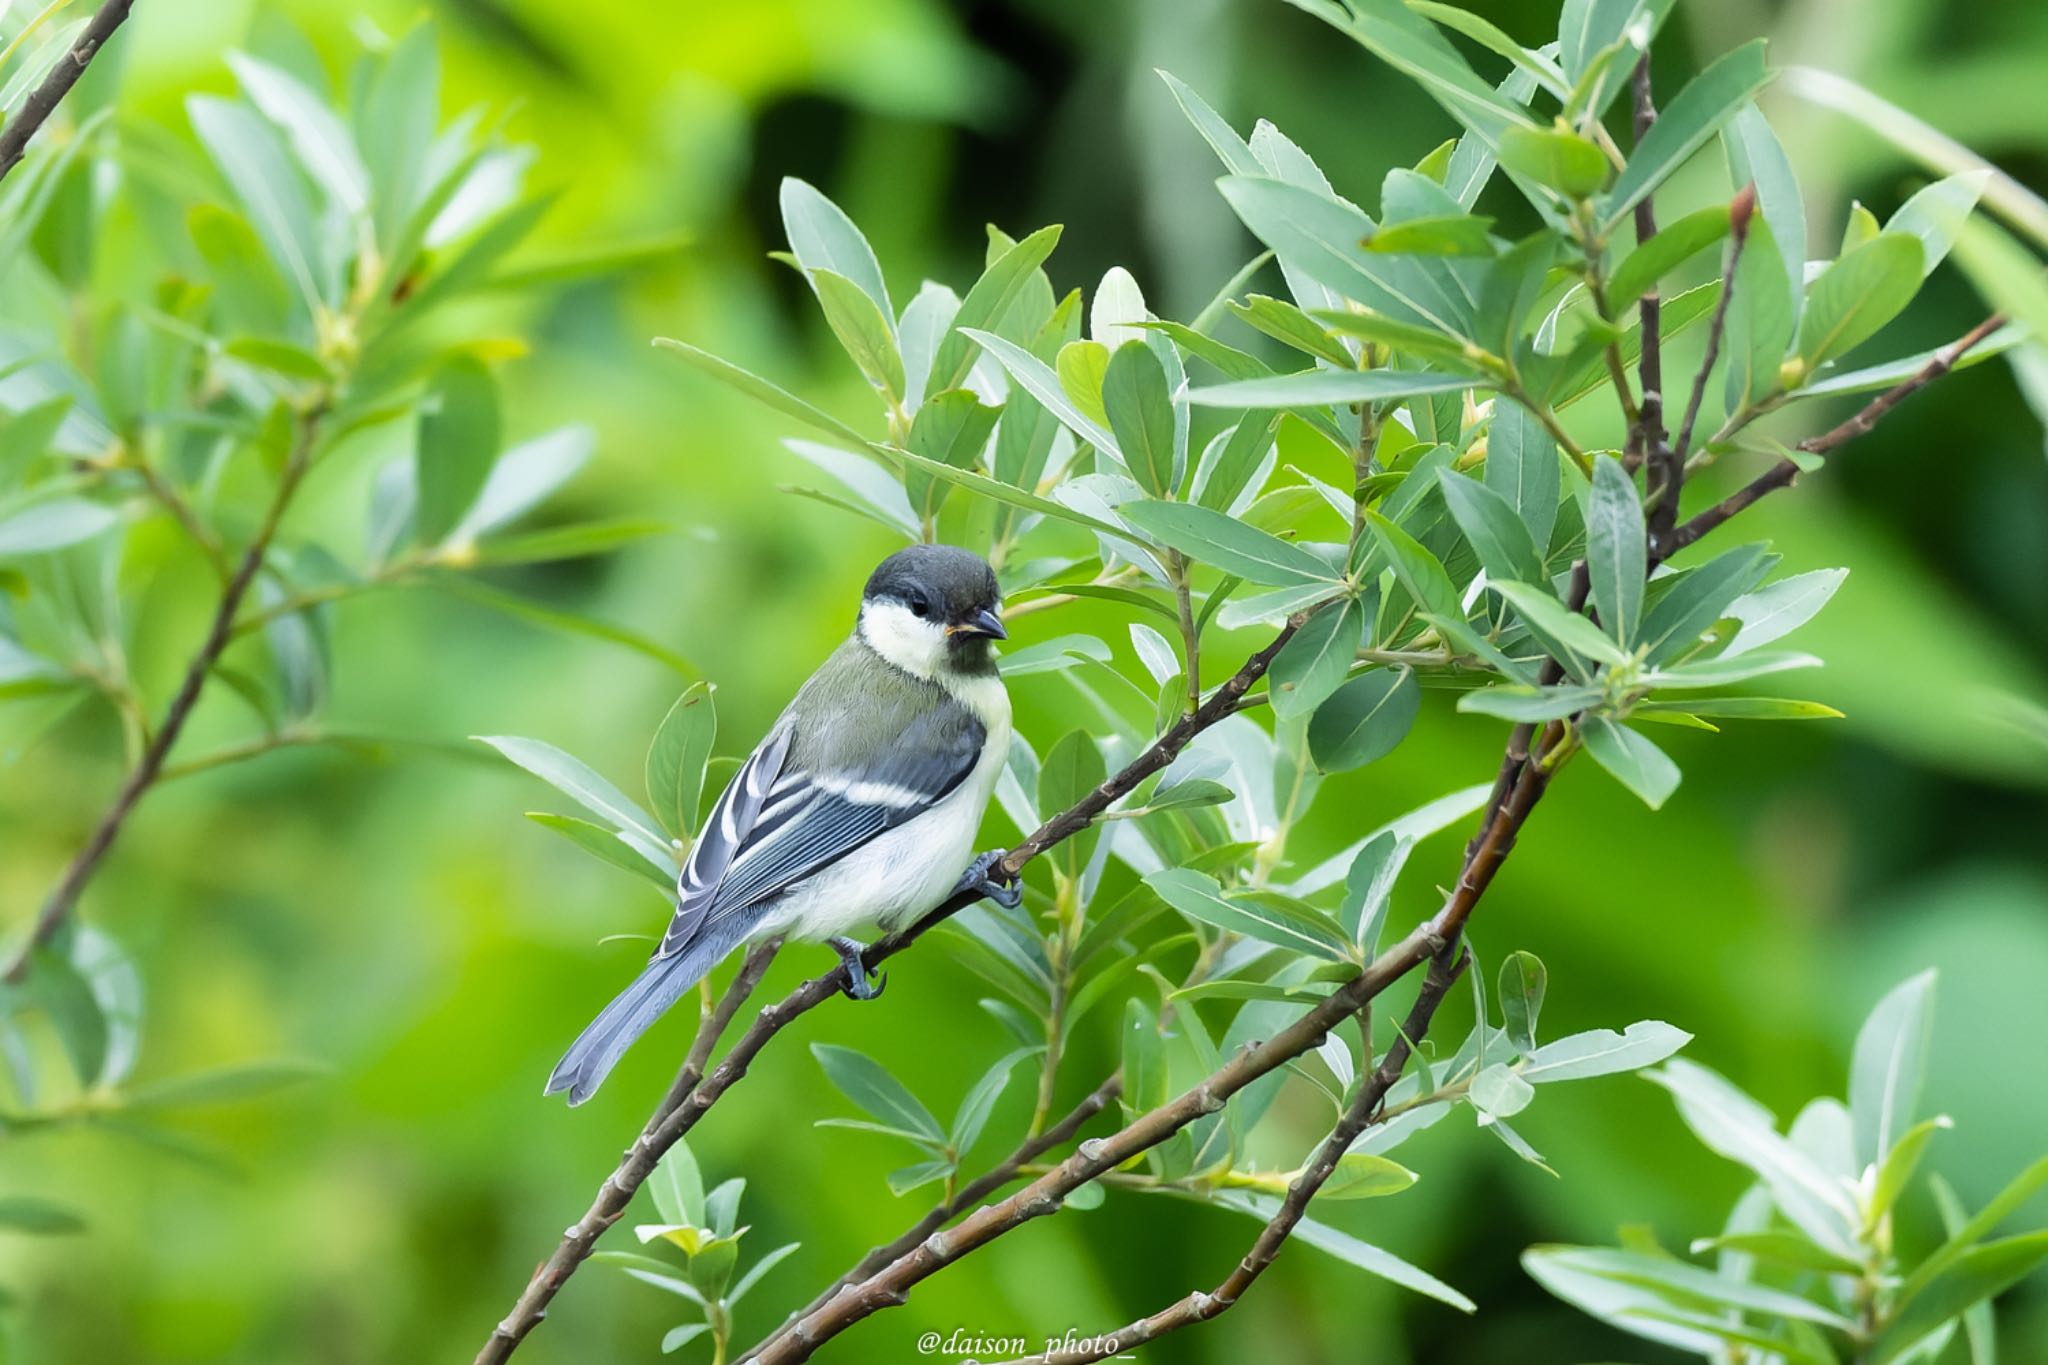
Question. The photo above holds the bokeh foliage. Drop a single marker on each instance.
(382, 921)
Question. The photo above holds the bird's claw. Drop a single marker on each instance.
(1006, 890)
(860, 985)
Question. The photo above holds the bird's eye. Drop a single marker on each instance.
(919, 607)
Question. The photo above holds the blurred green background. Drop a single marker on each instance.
(401, 924)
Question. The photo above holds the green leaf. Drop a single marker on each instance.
(1367, 1257)
(1365, 719)
(1724, 670)
(1072, 768)
(864, 1081)
(1140, 412)
(1041, 383)
(1519, 703)
(223, 1085)
(1777, 609)
(577, 781)
(1360, 1176)
(1602, 1052)
(863, 330)
(1144, 1060)
(395, 126)
(66, 996)
(1570, 164)
(1288, 325)
(1081, 367)
(2003, 1205)
(998, 491)
(1742, 708)
(1631, 759)
(1711, 99)
(1889, 1066)
(1436, 234)
(1761, 316)
(677, 757)
(1522, 982)
(53, 525)
(317, 137)
(1674, 245)
(1574, 637)
(760, 390)
(1687, 1285)
(1315, 233)
(1369, 889)
(1978, 1324)
(563, 542)
(950, 430)
(1675, 621)
(1424, 343)
(1270, 919)
(41, 1217)
(554, 618)
(614, 847)
(253, 161)
(822, 237)
(1490, 524)
(1615, 550)
(1782, 1246)
(1981, 1273)
(1497, 1092)
(1521, 466)
(987, 303)
(1857, 295)
(1311, 665)
(980, 1100)
(1489, 36)
(1898, 1166)
(1214, 130)
(1756, 157)
(1935, 215)
(1316, 388)
(1212, 538)
(1410, 45)
(1190, 792)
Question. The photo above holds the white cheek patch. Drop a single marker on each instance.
(913, 644)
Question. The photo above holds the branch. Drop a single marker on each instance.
(969, 1195)
(1783, 473)
(1360, 1114)
(150, 767)
(671, 1121)
(44, 99)
(1669, 478)
(891, 1286)
(640, 1159)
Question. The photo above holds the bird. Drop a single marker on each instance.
(856, 812)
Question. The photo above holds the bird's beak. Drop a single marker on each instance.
(983, 623)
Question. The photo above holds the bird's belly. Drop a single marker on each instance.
(897, 875)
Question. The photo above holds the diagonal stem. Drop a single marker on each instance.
(42, 101)
(150, 767)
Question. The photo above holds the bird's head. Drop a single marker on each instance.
(933, 608)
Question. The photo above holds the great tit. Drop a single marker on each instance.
(857, 812)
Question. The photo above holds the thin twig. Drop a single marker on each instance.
(671, 1121)
(970, 1194)
(1362, 1112)
(634, 1167)
(1667, 479)
(1784, 472)
(150, 767)
(42, 101)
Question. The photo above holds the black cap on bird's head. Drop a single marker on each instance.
(952, 589)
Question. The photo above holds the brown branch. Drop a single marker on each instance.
(891, 1286)
(1360, 1114)
(44, 99)
(670, 1122)
(1785, 472)
(970, 1194)
(1668, 481)
(634, 1167)
(150, 767)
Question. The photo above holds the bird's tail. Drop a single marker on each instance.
(633, 1011)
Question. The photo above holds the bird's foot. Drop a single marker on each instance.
(860, 985)
(1004, 889)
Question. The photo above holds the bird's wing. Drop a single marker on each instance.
(778, 823)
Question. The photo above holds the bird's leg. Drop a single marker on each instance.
(861, 986)
(1005, 892)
